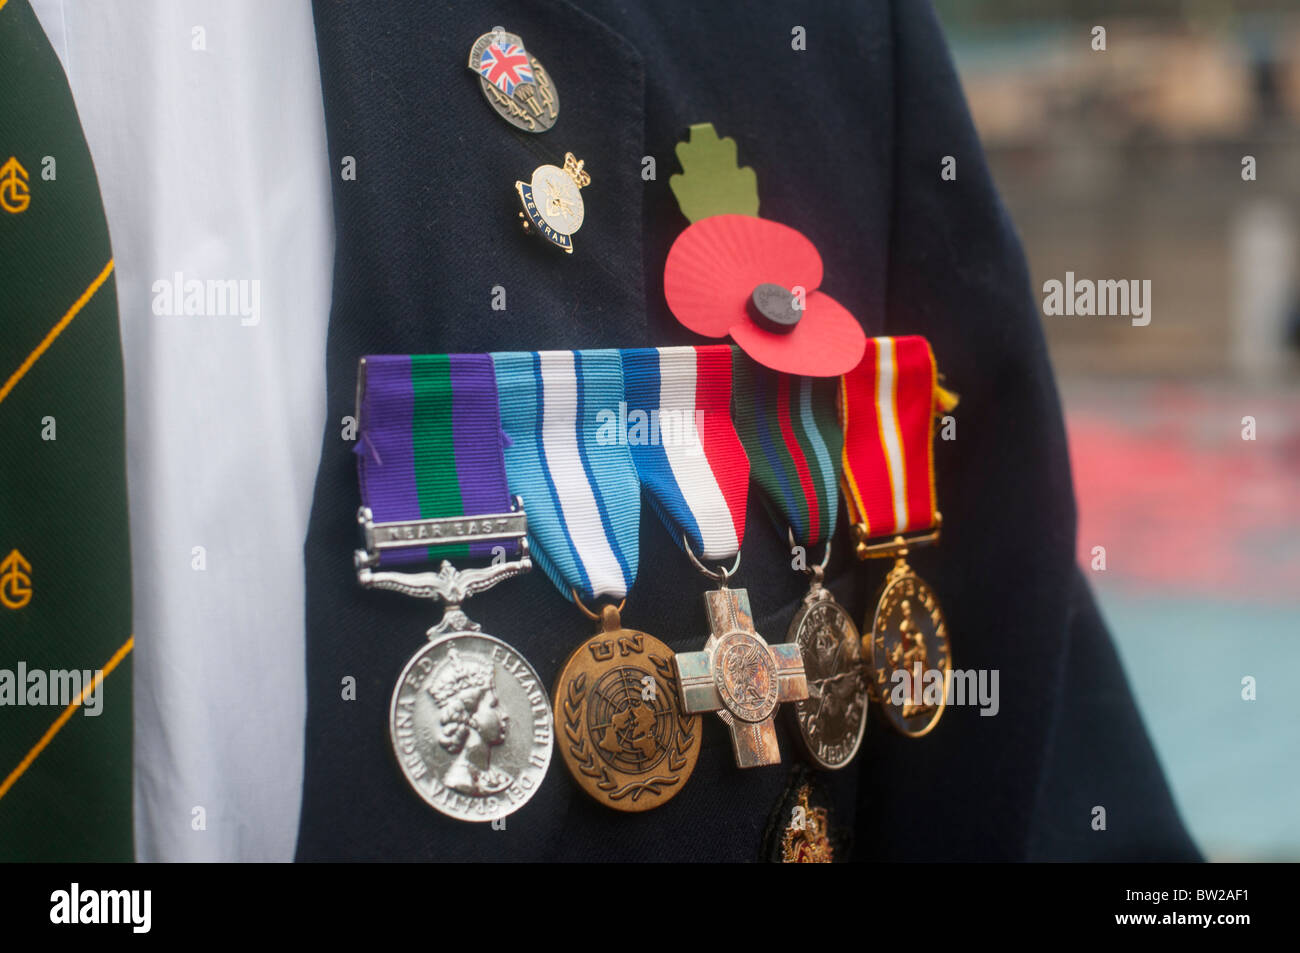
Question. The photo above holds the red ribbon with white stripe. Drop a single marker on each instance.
(888, 405)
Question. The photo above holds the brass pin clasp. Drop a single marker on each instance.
(895, 548)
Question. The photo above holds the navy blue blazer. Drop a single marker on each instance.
(847, 138)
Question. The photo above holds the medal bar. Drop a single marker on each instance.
(488, 527)
(888, 403)
(469, 720)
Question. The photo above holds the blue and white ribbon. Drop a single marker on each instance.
(579, 487)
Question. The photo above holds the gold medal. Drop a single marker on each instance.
(622, 731)
(888, 404)
(906, 652)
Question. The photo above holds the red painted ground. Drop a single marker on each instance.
(1181, 502)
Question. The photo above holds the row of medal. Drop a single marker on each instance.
(488, 463)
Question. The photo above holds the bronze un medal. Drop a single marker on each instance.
(623, 734)
(908, 661)
(513, 81)
(833, 718)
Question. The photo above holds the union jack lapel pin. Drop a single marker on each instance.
(514, 82)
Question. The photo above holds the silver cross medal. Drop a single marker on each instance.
(741, 677)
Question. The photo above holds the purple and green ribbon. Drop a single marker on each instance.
(430, 446)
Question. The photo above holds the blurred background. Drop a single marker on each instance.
(1127, 163)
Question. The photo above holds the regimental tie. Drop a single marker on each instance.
(622, 731)
(790, 429)
(889, 402)
(65, 578)
(469, 721)
(697, 476)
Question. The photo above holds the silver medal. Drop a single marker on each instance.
(471, 726)
(470, 721)
(833, 718)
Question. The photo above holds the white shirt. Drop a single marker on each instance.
(205, 123)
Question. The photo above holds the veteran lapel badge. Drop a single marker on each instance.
(552, 203)
(514, 82)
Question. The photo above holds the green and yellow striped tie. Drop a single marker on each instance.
(65, 570)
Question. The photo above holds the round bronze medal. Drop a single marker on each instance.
(513, 81)
(622, 731)
(833, 718)
(908, 662)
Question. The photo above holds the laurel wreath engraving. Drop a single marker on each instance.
(685, 732)
(572, 705)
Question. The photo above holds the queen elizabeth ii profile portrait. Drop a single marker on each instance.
(471, 723)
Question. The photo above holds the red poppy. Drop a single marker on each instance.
(712, 271)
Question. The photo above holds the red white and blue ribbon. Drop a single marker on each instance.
(578, 484)
(679, 429)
